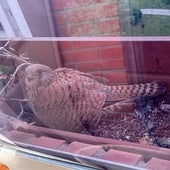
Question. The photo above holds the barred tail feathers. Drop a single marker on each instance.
(123, 92)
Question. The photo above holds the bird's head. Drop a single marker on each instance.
(37, 75)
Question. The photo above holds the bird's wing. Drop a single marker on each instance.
(94, 77)
(91, 76)
(73, 95)
(76, 85)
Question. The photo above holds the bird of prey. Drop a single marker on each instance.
(67, 99)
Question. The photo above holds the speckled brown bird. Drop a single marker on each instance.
(68, 99)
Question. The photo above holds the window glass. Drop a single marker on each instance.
(150, 18)
(83, 82)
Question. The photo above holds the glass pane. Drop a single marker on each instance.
(150, 18)
(106, 84)
(83, 82)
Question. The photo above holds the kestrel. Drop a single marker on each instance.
(67, 99)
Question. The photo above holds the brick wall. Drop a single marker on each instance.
(86, 17)
(98, 57)
(90, 18)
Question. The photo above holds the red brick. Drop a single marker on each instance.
(60, 4)
(103, 65)
(89, 66)
(64, 45)
(122, 157)
(85, 2)
(87, 55)
(112, 52)
(107, 10)
(68, 45)
(158, 164)
(80, 29)
(82, 148)
(60, 18)
(66, 4)
(49, 142)
(79, 15)
(90, 44)
(72, 65)
(113, 64)
(109, 34)
(100, 1)
(20, 136)
(68, 57)
(62, 31)
(115, 76)
(111, 25)
(93, 12)
(83, 55)
(79, 3)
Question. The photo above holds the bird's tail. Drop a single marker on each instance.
(123, 92)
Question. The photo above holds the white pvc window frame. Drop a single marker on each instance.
(8, 31)
(19, 18)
